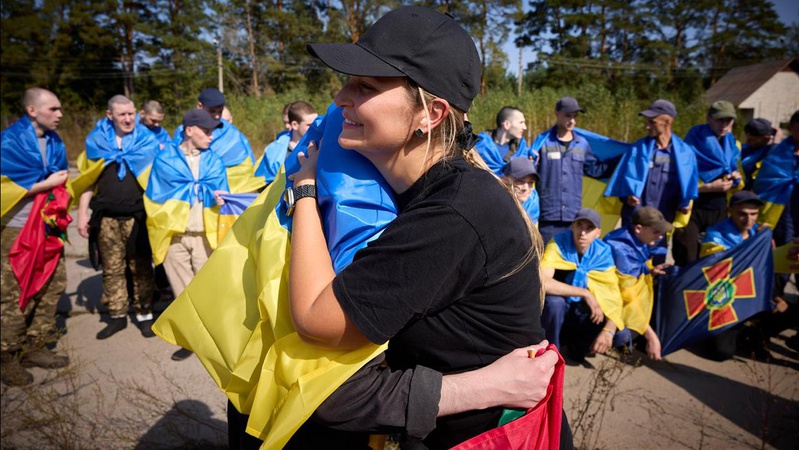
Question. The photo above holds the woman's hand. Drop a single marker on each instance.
(307, 172)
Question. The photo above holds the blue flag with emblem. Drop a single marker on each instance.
(714, 293)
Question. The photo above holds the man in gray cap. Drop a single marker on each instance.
(717, 157)
(564, 158)
(660, 171)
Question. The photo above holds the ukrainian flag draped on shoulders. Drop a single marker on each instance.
(235, 150)
(776, 180)
(722, 236)
(138, 150)
(21, 160)
(274, 155)
(247, 343)
(494, 155)
(595, 271)
(631, 173)
(633, 263)
(172, 191)
(713, 158)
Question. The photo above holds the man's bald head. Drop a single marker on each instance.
(35, 96)
(43, 109)
(118, 100)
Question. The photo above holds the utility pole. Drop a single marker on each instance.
(218, 44)
(521, 69)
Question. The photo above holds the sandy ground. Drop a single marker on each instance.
(126, 392)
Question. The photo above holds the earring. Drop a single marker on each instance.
(419, 132)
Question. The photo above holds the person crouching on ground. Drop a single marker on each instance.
(582, 291)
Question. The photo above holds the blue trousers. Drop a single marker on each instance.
(550, 228)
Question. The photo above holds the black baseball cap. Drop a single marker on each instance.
(759, 127)
(519, 167)
(745, 197)
(211, 98)
(589, 215)
(568, 105)
(200, 118)
(659, 107)
(416, 42)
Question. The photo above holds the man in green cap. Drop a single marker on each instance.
(717, 157)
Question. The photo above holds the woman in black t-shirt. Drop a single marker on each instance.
(454, 280)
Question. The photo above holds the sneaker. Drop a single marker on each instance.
(114, 326)
(181, 354)
(146, 328)
(13, 374)
(45, 358)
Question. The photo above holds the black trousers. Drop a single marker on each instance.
(685, 245)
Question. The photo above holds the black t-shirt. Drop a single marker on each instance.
(435, 283)
(118, 198)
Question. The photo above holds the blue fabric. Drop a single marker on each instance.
(552, 317)
(274, 155)
(21, 159)
(162, 136)
(229, 143)
(779, 174)
(726, 234)
(629, 253)
(494, 154)
(171, 178)
(531, 206)
(662, 188)
(235, 204)
(633, 169)
(682, 314)
(354, 200)
(598, 256)
(713, 159)
(750, 156)
(139, 148)
(560, 182)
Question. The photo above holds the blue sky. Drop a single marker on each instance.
(787, 10)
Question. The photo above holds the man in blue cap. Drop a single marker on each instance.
(660, 171)
(520, 175)
(229, 143)
(564, 158)
(759, 141)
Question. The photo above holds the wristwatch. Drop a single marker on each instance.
(293, 194)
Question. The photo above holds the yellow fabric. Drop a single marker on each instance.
(10, 194)
(235, 317)
(609, 208)
(604, 285)
(90, 171)
(170, 218)
(709, 248)
(638, 298)
(241, 178)
(770, 214)
(226, 222)
(781, 263)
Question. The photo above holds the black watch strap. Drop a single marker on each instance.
(294, 194)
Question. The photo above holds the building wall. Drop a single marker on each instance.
(775, 100)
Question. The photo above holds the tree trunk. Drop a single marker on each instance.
(251, 40)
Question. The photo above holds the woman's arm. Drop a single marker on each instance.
(317, 314)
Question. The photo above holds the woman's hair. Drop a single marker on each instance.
(448, 135)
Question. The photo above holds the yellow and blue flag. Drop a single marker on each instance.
(595, 271)
(722, 236)
(247, 343)
(495, 158)
(633, 264)
(235, 150)
(714, 293)
(21, 161)
(274, 155)
(234, 206)
(138, 151)
(776, 180)
(171, 192)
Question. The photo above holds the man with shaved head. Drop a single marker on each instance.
(114, 172)
(33, 162)
(151, 116)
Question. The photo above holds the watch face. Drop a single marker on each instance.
(288, 196)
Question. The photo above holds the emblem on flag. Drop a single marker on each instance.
(721, 293)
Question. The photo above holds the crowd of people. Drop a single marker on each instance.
(150, 202)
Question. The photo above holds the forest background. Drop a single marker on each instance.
(614, 56)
